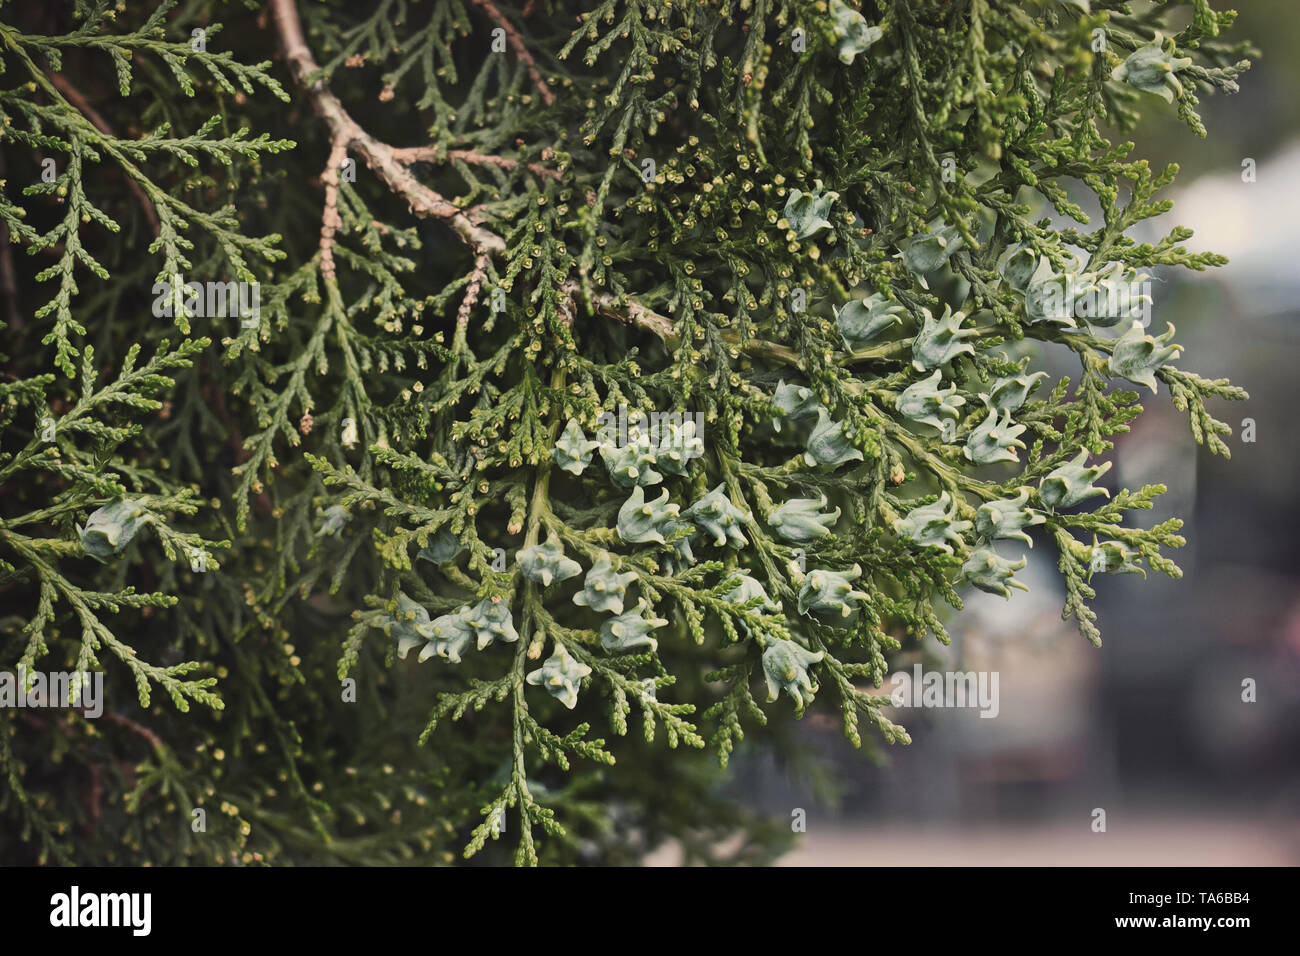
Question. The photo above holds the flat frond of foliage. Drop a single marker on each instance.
(822, 247)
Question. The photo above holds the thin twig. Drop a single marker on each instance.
(633, 313)
(8, 280)
(432, 154)
(75, 97)
(521, 49)
(154, 740)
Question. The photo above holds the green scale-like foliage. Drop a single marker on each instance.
(819, 238)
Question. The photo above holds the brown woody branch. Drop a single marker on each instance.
(379, 156)
(331, 221)
(472, 292)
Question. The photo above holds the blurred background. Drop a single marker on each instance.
(1151, 728)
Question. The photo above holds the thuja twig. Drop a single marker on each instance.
(435, 154)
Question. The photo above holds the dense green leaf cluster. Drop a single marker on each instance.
(672, 358)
